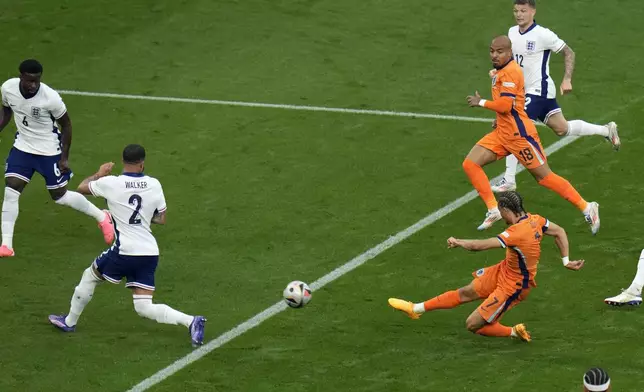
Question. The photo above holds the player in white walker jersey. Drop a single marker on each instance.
(633, 294)
(532, 46)
(39, 147)
(135, 201)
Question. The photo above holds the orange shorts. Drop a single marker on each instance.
(528, 150)
(501, 295)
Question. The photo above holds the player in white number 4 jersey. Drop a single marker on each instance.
(135, 201)
(532, 46)
(39, 147)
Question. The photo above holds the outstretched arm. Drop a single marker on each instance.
(502, 105)
(569, 68)
(474, 245)
(561, 239)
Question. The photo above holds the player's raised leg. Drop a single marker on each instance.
(558, 123)
(633, 294)
(447, 300)
(75, 200)
(479, 156)
(83, 293)
(166, 315)
(547, 178)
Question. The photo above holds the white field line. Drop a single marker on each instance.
(318, 284)
(278, 106)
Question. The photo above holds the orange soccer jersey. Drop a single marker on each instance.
(510, 281)
(515, 133)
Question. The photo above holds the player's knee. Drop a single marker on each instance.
(472, 325)
(57, 194)
(468, 164)
(467, 293)
(14, 183)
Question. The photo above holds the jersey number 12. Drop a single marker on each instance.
(135, 200)
(519, 59)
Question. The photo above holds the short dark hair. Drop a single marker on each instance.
(30, 66)
(511, 201)
(596, 377)
(531, 3)
(133, 153)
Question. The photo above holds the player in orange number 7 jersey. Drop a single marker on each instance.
(505, 284)
(514, 134)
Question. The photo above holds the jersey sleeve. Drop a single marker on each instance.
(5, 102)
(57, 106)
(510, 237)
(545, 224)
(162, 204)
(101, 187)
(510, 85)
(552, 41)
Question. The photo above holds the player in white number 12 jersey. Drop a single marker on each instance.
(39, 147)
(532, 46)
(135, 201)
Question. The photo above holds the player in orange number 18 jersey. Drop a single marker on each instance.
(505, 284)
(514, 134)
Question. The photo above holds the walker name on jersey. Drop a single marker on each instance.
(136, 185)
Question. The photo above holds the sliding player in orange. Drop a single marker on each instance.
(505, 284)
(514, 134)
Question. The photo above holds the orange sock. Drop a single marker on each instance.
(481, 183)
(564, 189)
(447, 300)
(495, 329)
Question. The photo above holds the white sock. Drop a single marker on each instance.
(511, 163)
(582, 128)
(636, 287)
(159, 312)
(78, 202)
(419, 308)
(9, 215)
(82, 295)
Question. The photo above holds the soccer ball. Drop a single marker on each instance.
(297, 294)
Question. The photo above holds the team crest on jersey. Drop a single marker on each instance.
(530, 46)
(35, 111)
(480, 272)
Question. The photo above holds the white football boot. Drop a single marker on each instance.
(490, 217)
(613, 136)
(592, 217)
(504, 186)
(625, 298)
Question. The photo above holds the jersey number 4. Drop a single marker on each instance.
(136, 201)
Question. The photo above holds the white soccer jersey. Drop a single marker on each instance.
(35, 118)
(532, 50)
(133, 199)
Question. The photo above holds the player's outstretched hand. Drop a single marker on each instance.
(566, 87)
(473, 100)
(575, 265)
(453, 243)
(105, 169)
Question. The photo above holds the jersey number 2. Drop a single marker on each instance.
(135, 200)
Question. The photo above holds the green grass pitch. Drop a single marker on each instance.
(259, 197)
